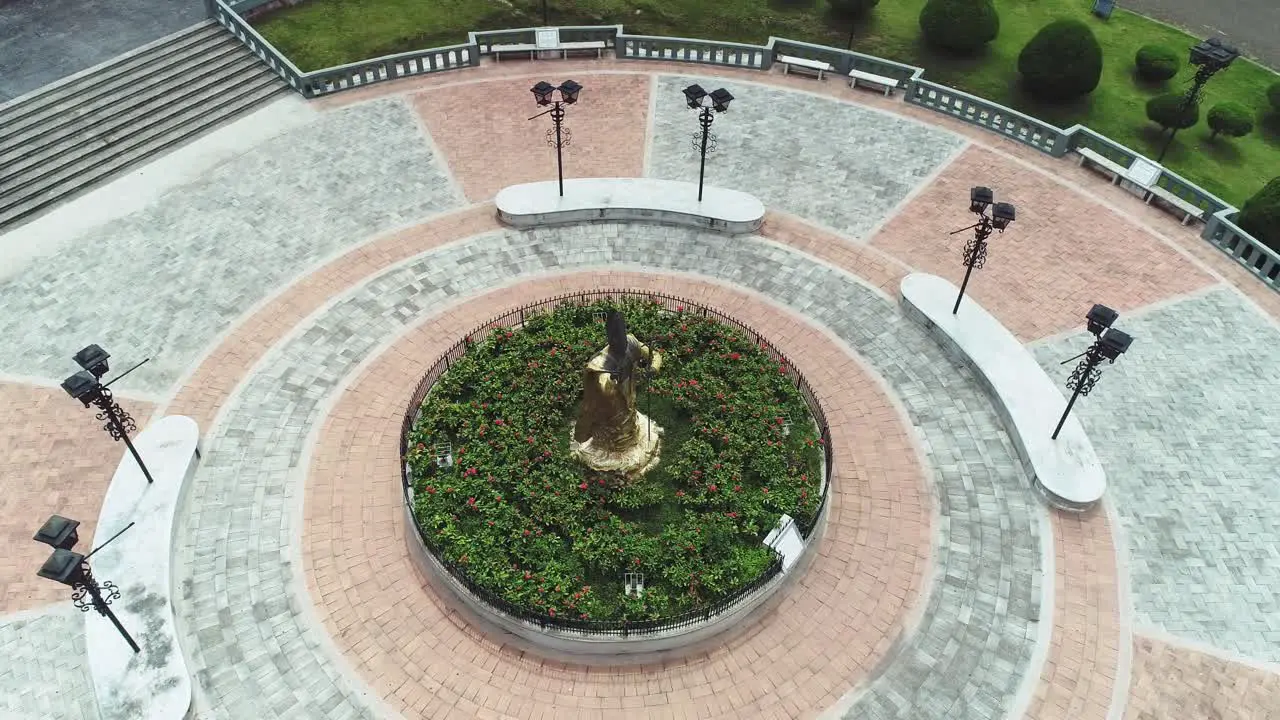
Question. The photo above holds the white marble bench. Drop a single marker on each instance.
(521, 48)
(817, 67)
(154, 684)
(1189, 210)
(623, 199)
(887, 83)
(1066, 471)
(1116, 170)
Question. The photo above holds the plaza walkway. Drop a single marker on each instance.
(294, 274)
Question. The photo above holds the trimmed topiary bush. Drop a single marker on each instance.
(1157, 63)
(1167, 112)
(1062, 62)
(1230, 119)
(959, 26)
(852, 8)
(1261, 215)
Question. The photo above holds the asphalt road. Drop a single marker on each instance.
(44, 40)
(1251, 25)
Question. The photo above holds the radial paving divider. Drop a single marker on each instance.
(1065, 470)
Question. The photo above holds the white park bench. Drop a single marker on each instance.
(521, 48)
(816, 67)
(1116, 170)
(1189, 210)
(1143, 175)
(547, 40)
(889, 84)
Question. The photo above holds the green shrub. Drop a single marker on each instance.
(1230, 119)
(1167, 112)
(959, 26)
(852, 8)
(1062, 62)
(1157, 63)
(1273, 94)
(1261, 215)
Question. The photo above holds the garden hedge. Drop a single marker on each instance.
(959, 26)
(1260, 216)
(1157, 63)
(1061, 62)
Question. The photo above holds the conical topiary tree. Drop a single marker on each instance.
(1260, 216)
(959, 26)
(1062, 62)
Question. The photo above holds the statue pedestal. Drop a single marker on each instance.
(637, 459)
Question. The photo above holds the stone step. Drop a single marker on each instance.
(115, 158)
(61, 116)
(18, 113)
(96, 129)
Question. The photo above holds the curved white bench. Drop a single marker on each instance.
(153, 684)
(645, 199)
(1067, 470)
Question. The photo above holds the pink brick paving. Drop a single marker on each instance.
(869, 574)
(1171, 681)
(481, 129)
(55, 459)
(1060, 256)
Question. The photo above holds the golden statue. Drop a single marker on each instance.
(610, 434)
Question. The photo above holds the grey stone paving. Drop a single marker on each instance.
(1187, 424)
(256, 654)
(43, 675)
(45, 40)
(834, 163)
(165, 281)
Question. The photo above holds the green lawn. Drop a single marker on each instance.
(322, 33)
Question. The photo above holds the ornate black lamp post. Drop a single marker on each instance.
(1109, 344)
(557, 137)
(87, 387)
(704, 103)
(72, 569)
(975, 251)
(1210, 56)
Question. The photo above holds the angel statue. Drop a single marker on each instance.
(610, 434)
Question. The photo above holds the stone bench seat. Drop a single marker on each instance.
(1066, 471)
(881, 81)
(1188, 210)
(815, 67)
(622, 199)
(1116, 170)
(520, 48)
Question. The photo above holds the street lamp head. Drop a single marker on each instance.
(1114, 344)
(63, 566)
(93, 359)
(693, 95)
(720, 99)
(1100, 318)
(1213, 53)
(58, 532)
(1002, 214)
(83, 386)
(980, 198)
(542, 92)
(569, 91)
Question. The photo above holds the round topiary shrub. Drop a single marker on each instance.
(852, 8)
(1273, 95)
(1167, 112)
(1260, 216)
(959, 26)
(1062, 62)
(530, 525)
(1157, 63)
(1230, 119)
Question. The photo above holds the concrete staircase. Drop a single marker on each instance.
(65, 138)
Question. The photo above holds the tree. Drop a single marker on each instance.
(959, 26)
(1062, 62)
(1167, 112)
(1230, 119)
(1273, 94)
(1157, 63)
(853, 9)
(1261, 215)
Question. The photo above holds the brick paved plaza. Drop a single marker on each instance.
(292, 297)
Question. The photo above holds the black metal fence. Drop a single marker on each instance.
(622, 628)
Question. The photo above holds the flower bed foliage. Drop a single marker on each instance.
(526, 521)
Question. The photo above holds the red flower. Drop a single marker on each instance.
(431, 490)
(600, 481)
(421, 446)
(731, 514)
(735, 356)
(530, 439)
(471, 502)
(765, 490)
(637, 561)
(782, 369)
(551, 612)
(583, 486)
(737, 488)
(526, 534)
(679, 493)
(712, 488)
(499, 422)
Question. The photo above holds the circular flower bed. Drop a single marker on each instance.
(531, 525)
